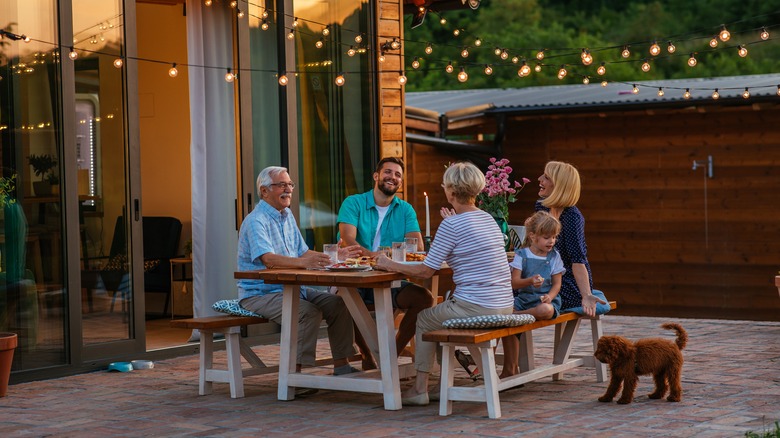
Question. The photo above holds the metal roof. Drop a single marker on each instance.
(568, 98)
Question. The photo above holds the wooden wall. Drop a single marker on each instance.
(653, 243)
(391, 102)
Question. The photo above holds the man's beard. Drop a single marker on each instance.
(387, 191)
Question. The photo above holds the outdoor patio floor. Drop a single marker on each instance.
(731, 385)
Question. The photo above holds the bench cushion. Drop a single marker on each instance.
(231, 307)
(488, 321)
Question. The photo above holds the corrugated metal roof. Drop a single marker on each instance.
(564, 98)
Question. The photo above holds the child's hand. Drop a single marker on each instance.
(538, 280)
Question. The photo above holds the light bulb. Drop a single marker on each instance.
(395, 44)
(586, 57)
(515, 60)
(692, 61)
(207, 2)
(497, 51)
(488, 70)
(463, 76)
(264, 25)
(687, 94)
(319, 43)
(645, 66)
(381, 56)
(778, 90)
(295, 22)
(538, 67)
(449, 67)
(634, 89)
(562, 72)
(655, 49)
(477, 42)
(351, 51)
(416, 63)
(625, 53)
(464, 53)
(602, 70)
(443, 21)
(764, 34)
(524, 71)
(118, 63)
(743, 51)
(504, 54)
(456, 32)
(724, 34)
(714, 42)
(429, 49)
(660, 92)
(746, 93)
(585, 80)
(240, 13)
(233, 3)
(26, 39)
(402, 79)
(604, 84)
(670, 47)
(73, 54)
(291, 34)
(715, 94)
(283, 80)
(326, 31)
(229, 76)
(358, 38)
(340, 80)
(264, 15)
(173, 72)
(540, 55)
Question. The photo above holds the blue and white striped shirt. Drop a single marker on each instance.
(266, 230)
(472, 245)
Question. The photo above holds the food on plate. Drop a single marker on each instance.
(415, 256)
(360, 261)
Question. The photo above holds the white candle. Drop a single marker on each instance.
(427, 216)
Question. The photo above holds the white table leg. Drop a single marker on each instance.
(388, 358)
(363, 320)
(288, 351)
(206, 361)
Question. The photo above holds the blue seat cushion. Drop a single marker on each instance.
(489, 321)
(231, 307)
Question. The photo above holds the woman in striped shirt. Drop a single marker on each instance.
(471, 243)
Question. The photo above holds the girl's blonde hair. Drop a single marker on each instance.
(465, 180)
(541, 224)
(566, 185)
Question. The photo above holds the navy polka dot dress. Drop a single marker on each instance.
(571, 245)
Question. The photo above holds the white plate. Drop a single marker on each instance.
(411, 263)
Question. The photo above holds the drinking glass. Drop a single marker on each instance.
(386, 250)
(411, 244)
(332, 250)
(399, 251)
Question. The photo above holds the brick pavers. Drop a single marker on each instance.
(731, 384)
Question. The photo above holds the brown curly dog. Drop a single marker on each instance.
(627, 360)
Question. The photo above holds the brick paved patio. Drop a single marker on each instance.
(731, 384)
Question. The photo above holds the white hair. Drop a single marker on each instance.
(265, 178)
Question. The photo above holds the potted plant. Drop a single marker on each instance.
(43, 166)
(7, 191)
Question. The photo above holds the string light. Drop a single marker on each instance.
(504, 54)
(382, 56)
(428, 49)
(692, 61)
(488, 70)
(118, 63)
(402, 79)
(456, 32)
(586, 57)
(415, 63)
(660, 91)
(326, 31)
(264, 24)
(602, 70)
(764, 34)
(358, 38)
(715, 94)
(25, 38)
(320, 42)
(497, 51)
(645, 66)
(655, 49)
(540, 55)
(283, 80)
(778, 90)
(240, 13)
(233, 3)
(173, 72)
(670, 47)
(229, 76)
(634, 89)
(625, 53)
(463, 76)
(449, 68)
(714, 42)
(443, 21)
(524, 70)
(742, 50)
(295, 22)
(687, 94)
(562, 72)
(73, 54)
(515, 60)
(746, 93)
(351, 51)
(340, 80)
(465, 52)
(264, 15)
(291, 34)
(395, 44)
(478, 42)
(586, 80)
(724, 34)
(603, 84)
(207, 2)
(538, 67)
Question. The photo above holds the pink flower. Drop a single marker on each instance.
(499, 190)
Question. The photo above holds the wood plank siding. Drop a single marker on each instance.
(655, 245)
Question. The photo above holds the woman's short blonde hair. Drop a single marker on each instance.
(566, 185)
(465, 181)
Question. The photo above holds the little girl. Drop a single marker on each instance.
(537, 270)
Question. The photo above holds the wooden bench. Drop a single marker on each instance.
(482, 342)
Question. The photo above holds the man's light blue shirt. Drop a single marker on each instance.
(265, 230)
(360, 211)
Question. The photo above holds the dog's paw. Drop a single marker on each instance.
(624, 401)
(672, 398)
(655, 395)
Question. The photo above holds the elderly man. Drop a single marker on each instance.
(378, 218)
(270, 238)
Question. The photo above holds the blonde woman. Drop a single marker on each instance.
(471, 243)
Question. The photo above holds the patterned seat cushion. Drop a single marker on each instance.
(489, 321)
(231, 307)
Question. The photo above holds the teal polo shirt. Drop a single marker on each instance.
(360, 210)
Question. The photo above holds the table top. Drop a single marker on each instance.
(322, 278)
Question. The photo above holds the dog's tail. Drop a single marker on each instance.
(682, 335)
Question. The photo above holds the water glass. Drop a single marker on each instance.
(386, 251)
(332, 250)
(411, 244)
(399, 251)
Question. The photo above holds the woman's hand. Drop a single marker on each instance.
(447, 212)
(382, 262)
(589, 305)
